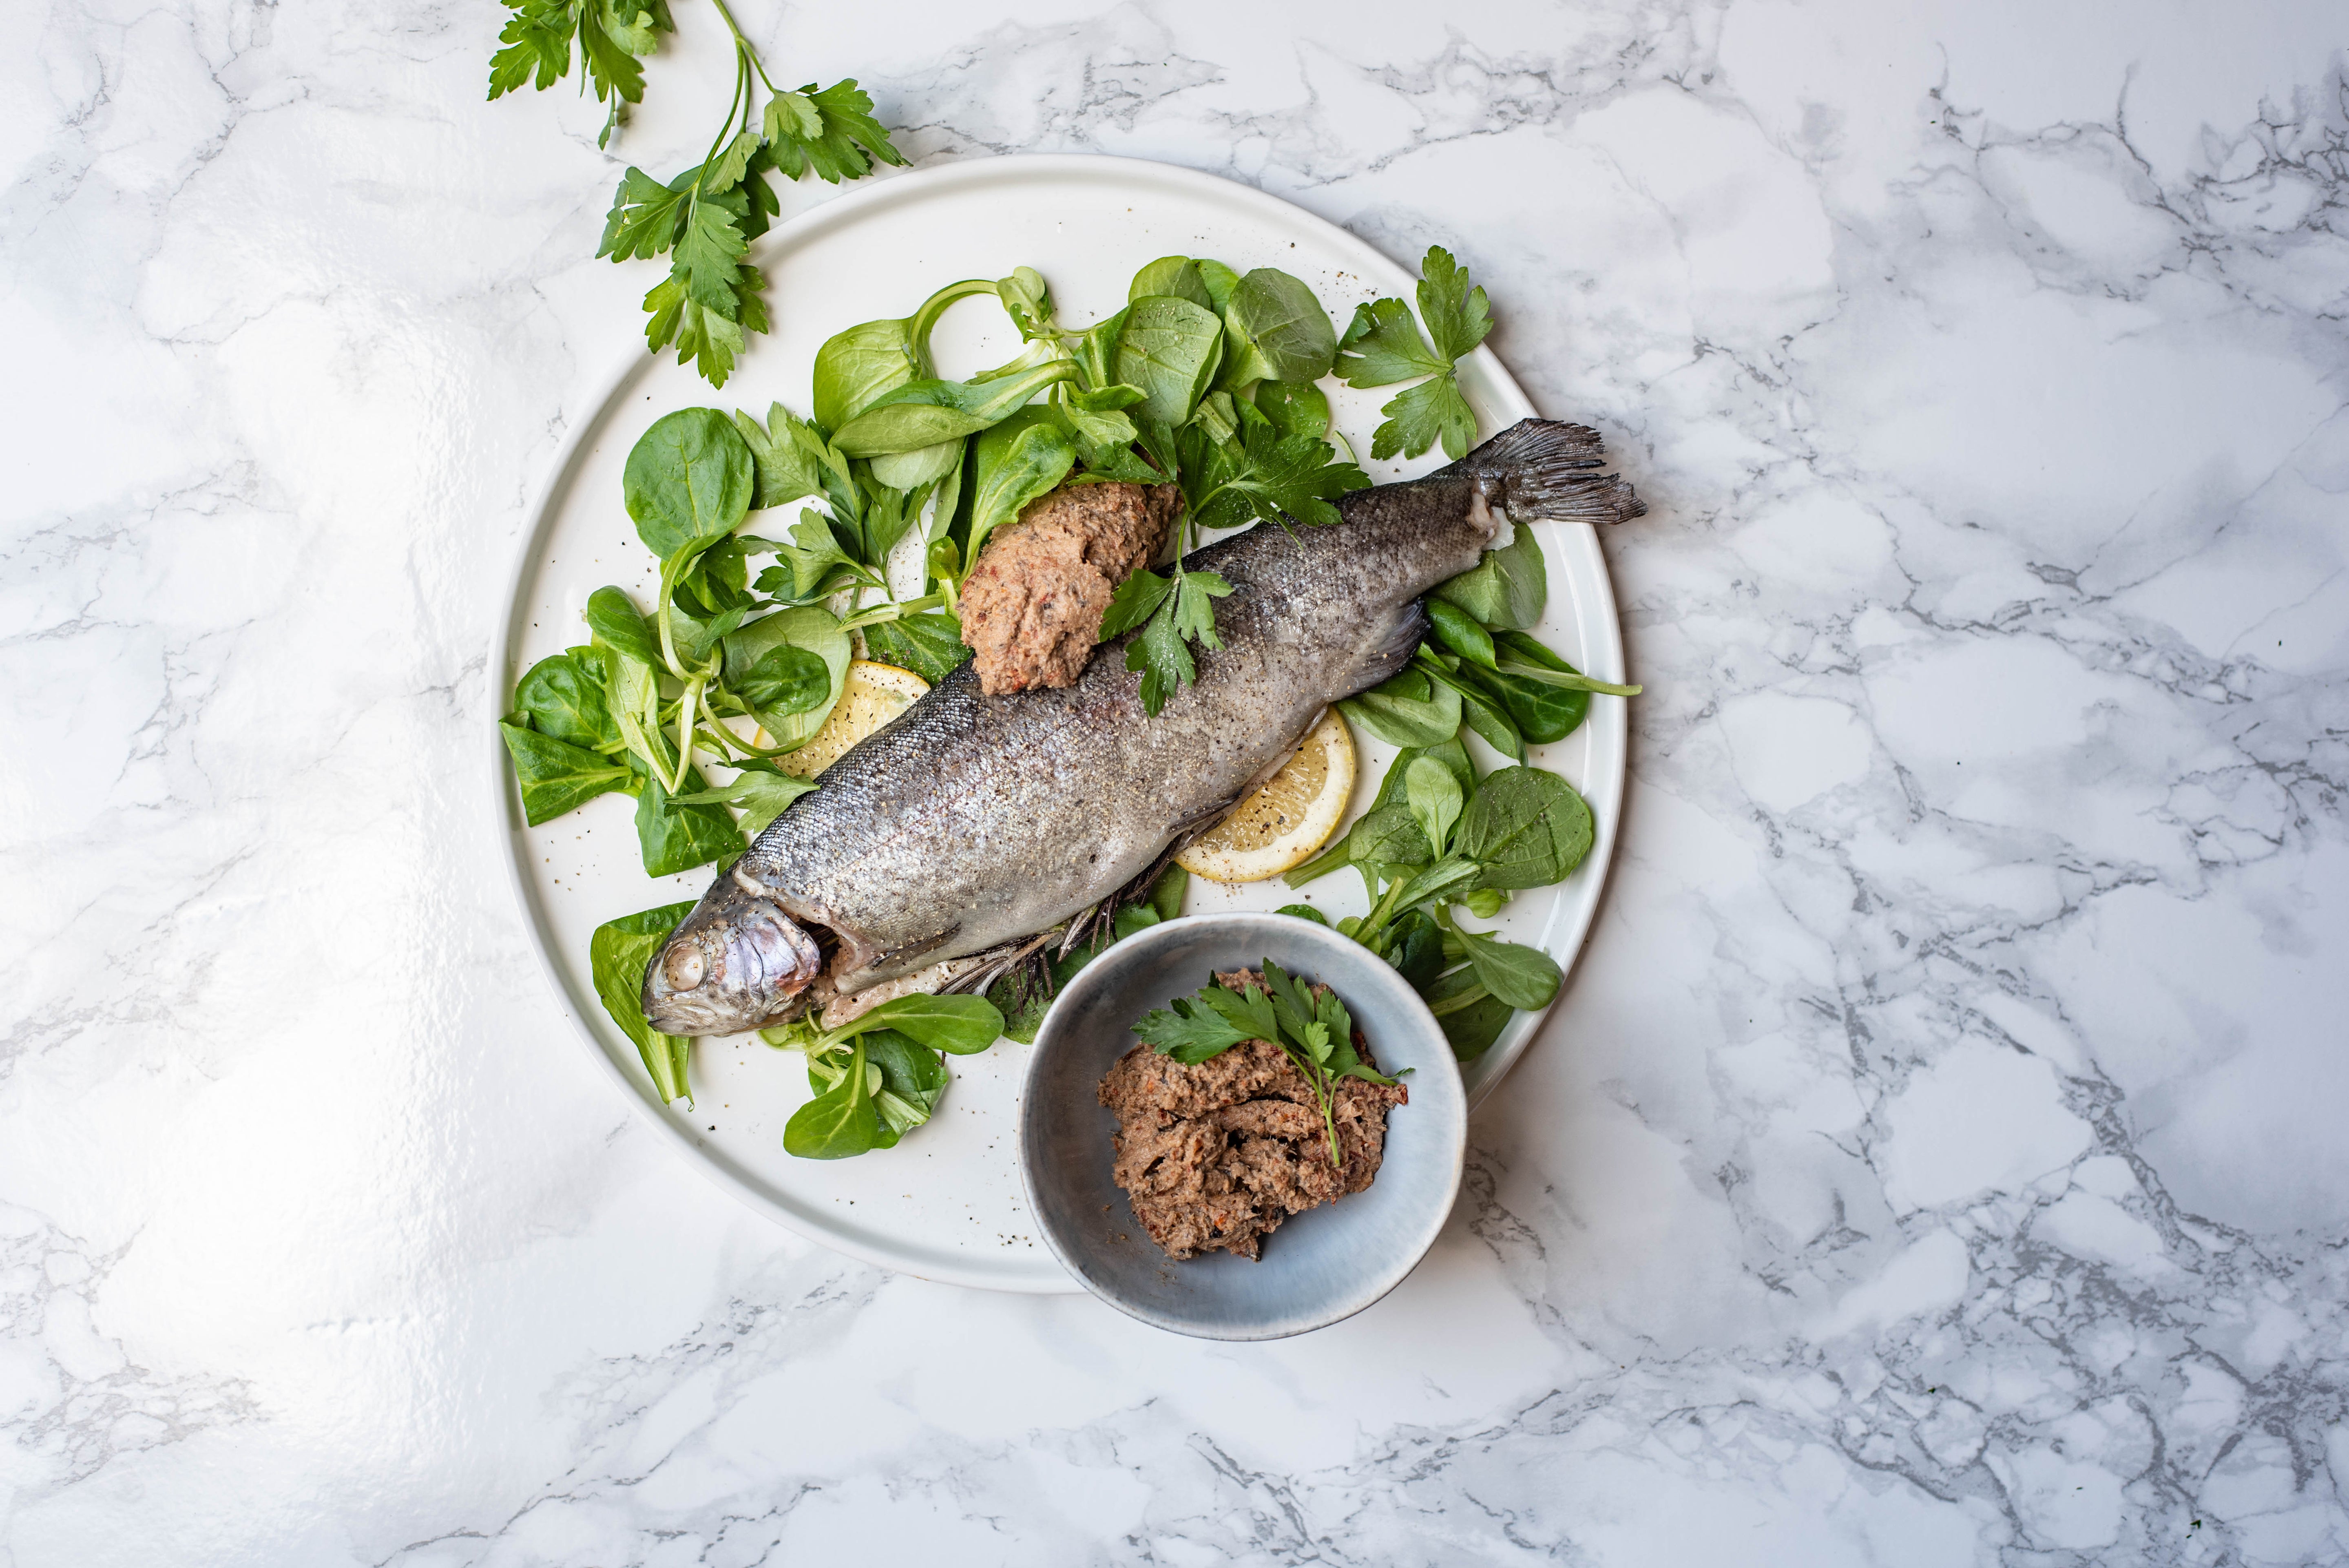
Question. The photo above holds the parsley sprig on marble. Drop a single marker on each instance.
(704, 219)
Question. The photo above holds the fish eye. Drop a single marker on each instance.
(686, 967)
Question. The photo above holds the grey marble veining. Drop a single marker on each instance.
(1936, 1157)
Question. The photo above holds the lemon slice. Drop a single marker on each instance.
(871, 695)
(1286, 820)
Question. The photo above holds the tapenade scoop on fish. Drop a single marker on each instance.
(970, 822)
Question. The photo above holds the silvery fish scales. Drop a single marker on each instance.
(969, 822)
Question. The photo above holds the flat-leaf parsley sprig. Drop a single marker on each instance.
(704, 219)
(1384, 345)
(1308, 1024)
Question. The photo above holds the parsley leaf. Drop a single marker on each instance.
(1419, 416)
(1457, 314)
(705, 219)
(613, 35)
(1194, 612)
(1383, 345)
(1132, 604)
(833, 132)
(1188, 1030)
(1265, 475)
(1161, 656)
(1184, 613)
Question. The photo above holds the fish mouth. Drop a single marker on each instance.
(738, 962)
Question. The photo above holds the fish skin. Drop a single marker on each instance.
(969, 820)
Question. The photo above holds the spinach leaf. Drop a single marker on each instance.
(612, 616)
(912, 470)
(556, 776)
(856, 368)
(1449, 752)
(1481, 710)
(839, 1123)
(1526, 828)
(1408, 709)
(1544, 713)
(562, 696)
(1566, 679)
(1340, 853)
(1096, 351)
(930, 644)
(1276, 330)
(1414, 946)
(688, 481)
(1175, 275)
(1294, 410)
(1220, 281)
(925, 413)
(761, 793)
(1303, 912)
(719, 578)
(634, 694)
(1524, 977)
(807, 626)
(1019, 460)
(1166, 892)
(1170, 348)
(1027, 301)
(617, 955)
(787, 679)
(1457, 632)
(1507, 588)
(913, 1078)
(1471, 1019)
(675, 838)
(962, 1026)
(1435, 798)
(1390, 837)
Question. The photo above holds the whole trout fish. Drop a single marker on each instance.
(971, 821)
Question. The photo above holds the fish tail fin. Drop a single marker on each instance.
(1544, 468)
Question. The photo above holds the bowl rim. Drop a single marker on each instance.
(1452, 1109)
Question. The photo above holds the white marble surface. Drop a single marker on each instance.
(1935, 1159)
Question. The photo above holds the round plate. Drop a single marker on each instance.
(946, 1203)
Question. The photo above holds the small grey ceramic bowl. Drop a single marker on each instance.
(1324, 1264)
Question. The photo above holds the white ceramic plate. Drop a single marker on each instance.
(946, 1203)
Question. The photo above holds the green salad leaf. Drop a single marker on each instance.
(1382, 346)
(617, 954)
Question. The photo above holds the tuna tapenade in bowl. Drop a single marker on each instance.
(1227, 1185)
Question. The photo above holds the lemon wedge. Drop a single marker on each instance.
(1288, 818)
(871, 695)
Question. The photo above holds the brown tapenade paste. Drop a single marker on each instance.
(1216, 1156)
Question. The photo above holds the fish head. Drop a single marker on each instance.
(738, 962)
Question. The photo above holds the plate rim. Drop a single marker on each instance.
(1608, 721)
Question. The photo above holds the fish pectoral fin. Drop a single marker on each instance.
(1210, 816)
(914, 948)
